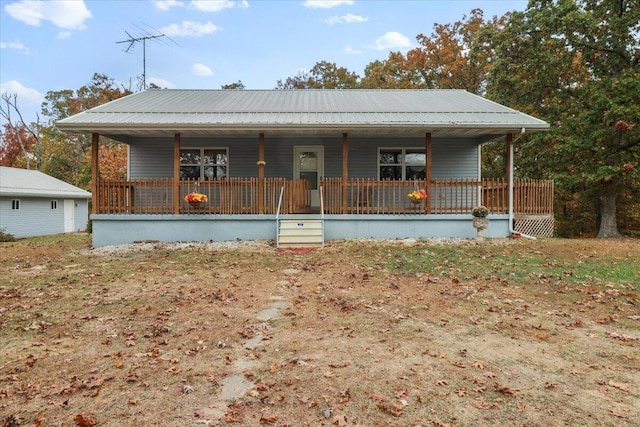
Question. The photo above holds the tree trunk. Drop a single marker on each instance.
(608, 223)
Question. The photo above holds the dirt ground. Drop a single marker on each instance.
(358, 333)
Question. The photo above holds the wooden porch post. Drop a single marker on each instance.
(427, 148)
(509, 163)
(345, 171)
(261, 164)
(176, 174)
(95, 172)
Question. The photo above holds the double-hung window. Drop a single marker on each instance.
(402, 163)
(204, 163)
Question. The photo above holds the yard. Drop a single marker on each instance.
(359, 333)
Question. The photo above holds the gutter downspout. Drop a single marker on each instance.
(511, 214)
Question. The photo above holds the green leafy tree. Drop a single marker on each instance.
(234, 86)
(66, 156)
(448, 58)
(323, 75)
(576, 65)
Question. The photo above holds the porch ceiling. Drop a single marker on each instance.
(450, 113)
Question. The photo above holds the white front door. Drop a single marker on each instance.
(69, 207)
(309, 164)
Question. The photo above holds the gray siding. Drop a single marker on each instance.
(452, 158)
(36, 218)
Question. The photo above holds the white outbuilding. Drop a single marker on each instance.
(35, 204)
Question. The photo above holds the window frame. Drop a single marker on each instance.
(403, 164)
(202, 165)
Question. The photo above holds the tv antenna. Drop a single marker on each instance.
(132, 40)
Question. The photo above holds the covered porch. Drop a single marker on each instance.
(348, 159)
(272, 196)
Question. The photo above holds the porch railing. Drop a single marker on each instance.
(225, 196)
(363, 196)
(454, 196)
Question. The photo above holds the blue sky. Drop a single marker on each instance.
(54, 45)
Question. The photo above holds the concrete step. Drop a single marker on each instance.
(300, 233)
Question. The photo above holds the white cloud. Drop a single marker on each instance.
(64, 34)
(325, 4)
(16, 46)
(349, 18)
(190, 29)
(201, 70)
(161, 83)
(70, 15)
(351, 51)
(26, 96)
(165, 5)
(391, 40)
(217, 5)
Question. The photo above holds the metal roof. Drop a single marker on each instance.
(16, 182)
(205, 112)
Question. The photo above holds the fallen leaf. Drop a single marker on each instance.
(85, 420)
(504, 389)
(442, 382)
(268, 419)
(618, 413)
(339, 420)
(620, 386)
(378, 397)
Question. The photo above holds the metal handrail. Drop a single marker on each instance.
(280, 202)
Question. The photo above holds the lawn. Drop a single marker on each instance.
(358, 333)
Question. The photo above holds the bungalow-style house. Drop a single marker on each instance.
(302, 166)
(35, 204)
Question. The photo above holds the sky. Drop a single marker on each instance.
(204, 44)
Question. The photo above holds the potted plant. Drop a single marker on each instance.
(417, 196)
(196, 200)
(480, 220)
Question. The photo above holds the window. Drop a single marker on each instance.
(402, 163)
(204, 163)
(54, 204)
(15, 204)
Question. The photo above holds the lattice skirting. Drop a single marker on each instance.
(534, 225)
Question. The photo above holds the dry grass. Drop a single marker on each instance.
(502, 332)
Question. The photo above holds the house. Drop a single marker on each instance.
(303, 166)
(35, 204)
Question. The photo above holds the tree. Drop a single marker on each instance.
(234, 86)
(18, 134)
(15, 146)
(67, 155)
(449, 58)
(323, 75)
(576, 65)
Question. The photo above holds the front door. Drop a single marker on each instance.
(69, 220)
(309, 165)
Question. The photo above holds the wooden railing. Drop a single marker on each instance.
(457, 196)
(225, 196)
(363, 196)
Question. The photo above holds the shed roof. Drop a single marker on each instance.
(16, 182)
(359, 111)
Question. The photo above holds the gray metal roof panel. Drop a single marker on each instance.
(16, 182)
(300, 108)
